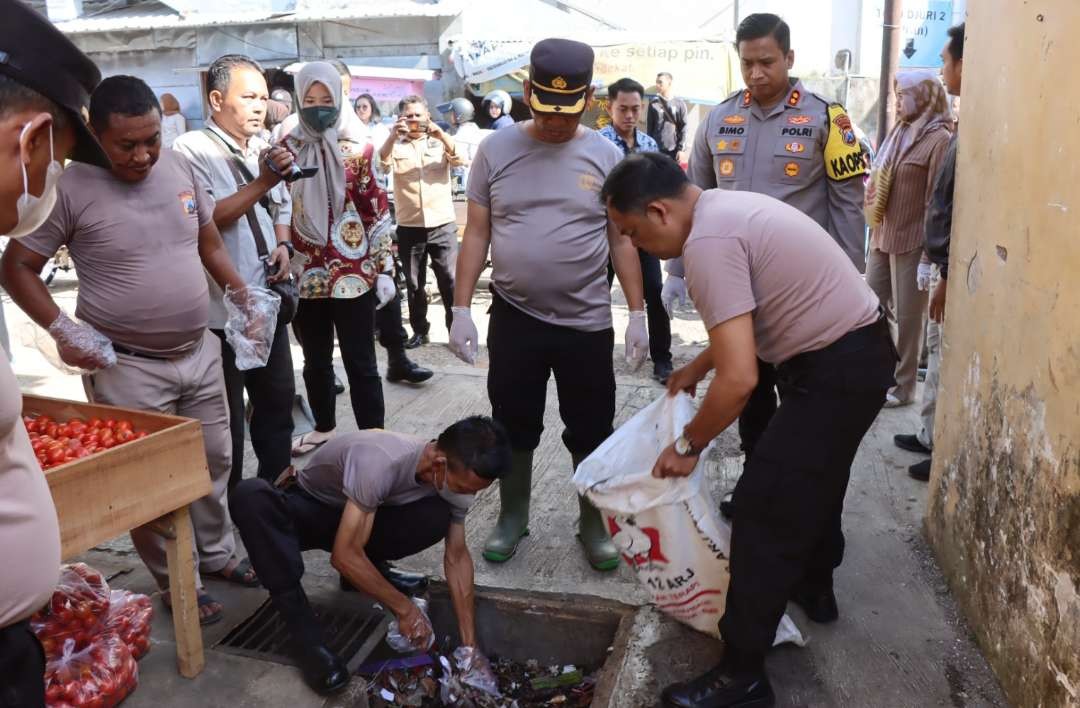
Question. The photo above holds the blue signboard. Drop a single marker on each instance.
(924, 30)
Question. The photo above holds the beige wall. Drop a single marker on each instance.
(1004, 511)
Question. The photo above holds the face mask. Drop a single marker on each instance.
(319, 118)
(33, 211)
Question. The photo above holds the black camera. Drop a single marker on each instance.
(294, 171)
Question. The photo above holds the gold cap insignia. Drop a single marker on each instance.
(558, 82)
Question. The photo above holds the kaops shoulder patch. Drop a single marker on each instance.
(843, 154)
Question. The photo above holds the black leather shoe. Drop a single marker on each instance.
(662, 371)
(920, 471)
(727, 507)
(406, 370)
(818, 604)
(323, 670)
(417, 340)
(406, 583)
(911, 444)
(721, 687)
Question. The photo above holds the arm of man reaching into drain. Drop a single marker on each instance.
(349, 559)
(458, 566)
(732, 354)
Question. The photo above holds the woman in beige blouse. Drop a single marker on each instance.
(896, 197)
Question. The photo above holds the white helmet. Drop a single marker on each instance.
(502, 98)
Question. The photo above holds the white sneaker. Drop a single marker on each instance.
(892, 401)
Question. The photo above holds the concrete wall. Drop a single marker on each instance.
(1004, 508)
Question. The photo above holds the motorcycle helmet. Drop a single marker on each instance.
(501, 98)
(459, 110)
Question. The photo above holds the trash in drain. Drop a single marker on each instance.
(423, 681)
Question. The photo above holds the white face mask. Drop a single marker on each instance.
(33, 211)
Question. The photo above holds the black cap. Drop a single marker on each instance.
(38, 56)
(560, 71)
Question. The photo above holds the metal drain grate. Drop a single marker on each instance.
(350, 634)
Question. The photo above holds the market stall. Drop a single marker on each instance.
(149, 480)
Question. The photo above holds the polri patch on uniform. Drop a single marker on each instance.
(795, 147)
(735, 119)
(791, 169)
(799, 120)
(727, 168)
(187, 202)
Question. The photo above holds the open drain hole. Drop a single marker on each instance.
(350, 634)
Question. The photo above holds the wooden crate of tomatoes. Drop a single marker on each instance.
(113, 469)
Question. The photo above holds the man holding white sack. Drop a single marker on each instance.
(769, 283)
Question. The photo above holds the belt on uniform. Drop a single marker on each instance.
(853, 341)
(142, 355)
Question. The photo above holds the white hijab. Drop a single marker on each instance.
(327, 189)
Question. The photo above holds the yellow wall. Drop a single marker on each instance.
(1004, 510)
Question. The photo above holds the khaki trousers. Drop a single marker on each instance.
(193, 387)
(933, 374)
(894, 278)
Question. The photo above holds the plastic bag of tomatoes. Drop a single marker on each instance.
(129, 617)
(98, 674)
(77, 609)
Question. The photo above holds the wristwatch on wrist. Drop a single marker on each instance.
(684, 447)
(288, 247)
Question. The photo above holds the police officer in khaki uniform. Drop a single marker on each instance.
(779, 139)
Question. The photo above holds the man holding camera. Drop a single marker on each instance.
(251, 204)
(420, 156)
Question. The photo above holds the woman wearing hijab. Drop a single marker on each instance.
(341, 233)
(896, 197)
(173, 124)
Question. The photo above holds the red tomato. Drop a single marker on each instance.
(140, 435)
(110, 424)
(51, 430)
(123, 436)
(124, 425)
(93, 423)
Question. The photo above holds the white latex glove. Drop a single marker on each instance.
(637, 339)
(463, 335)
(81, 345)
(923, 276)
(385, 290)
(674, 290)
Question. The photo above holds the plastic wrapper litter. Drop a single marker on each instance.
(402, 644)
(100, 672)
(252, 315)
(77, 609)
(129, 618)
(472, 669)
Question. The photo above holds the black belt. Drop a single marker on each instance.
(142, 355)
(853, 341)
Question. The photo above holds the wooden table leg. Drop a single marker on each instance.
(179, 550)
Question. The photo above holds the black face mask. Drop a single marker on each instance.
(319, 118)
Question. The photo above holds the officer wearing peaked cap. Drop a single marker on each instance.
(45, 85)
(779, 139)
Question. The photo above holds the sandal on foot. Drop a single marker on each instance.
(204, 599)
(239, 572)
(304, 444)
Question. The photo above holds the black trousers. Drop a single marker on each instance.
(659, 325)
(271, 390)
(787, 530)
(523, 353)
(759, 409)
(353, 320)
(278, 525)
(392, 334)
(22, 667)
(415, 245)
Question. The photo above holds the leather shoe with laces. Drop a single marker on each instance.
(819, 604)
(323, 670)
(723, 686)
(407, 371)
(417, 340)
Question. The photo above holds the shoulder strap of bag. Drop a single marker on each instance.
(242, 176)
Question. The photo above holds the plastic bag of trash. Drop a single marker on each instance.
(402, 644)
(667, 530)
(252, 315)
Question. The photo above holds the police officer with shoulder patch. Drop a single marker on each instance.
(777, 138)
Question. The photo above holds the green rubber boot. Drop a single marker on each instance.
(600, 551)
(513, 522)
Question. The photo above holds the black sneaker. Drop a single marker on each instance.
(417, 340)
(911, 444)
(722, 686)
(920, 471)
(662, 371)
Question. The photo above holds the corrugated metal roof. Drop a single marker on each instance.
(158, 16)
